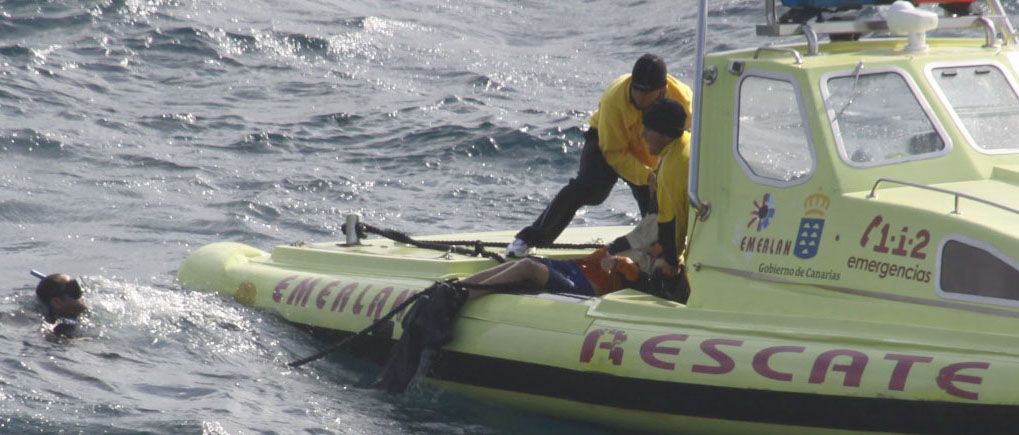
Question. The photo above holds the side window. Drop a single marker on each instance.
(971, 272)
(772, 137)
(985, 103)
(877, 120)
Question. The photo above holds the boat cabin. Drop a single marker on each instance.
(830, 178)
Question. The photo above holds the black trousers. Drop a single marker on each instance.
(591, 186)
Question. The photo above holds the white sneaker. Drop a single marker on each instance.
(517, 249)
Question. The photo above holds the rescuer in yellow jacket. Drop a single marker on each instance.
(664, 123)
(613, 148)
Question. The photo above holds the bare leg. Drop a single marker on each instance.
(477, 278)
(525, 271)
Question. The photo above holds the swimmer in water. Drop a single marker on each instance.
(60, 296)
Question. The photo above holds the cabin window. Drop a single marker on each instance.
(772, 136)
(878, 120)
(971, 272)
(984, 103)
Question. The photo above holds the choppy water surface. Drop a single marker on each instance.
(133, 131)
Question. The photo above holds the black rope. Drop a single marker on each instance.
(508, 288)
(477, 247)
(476, 251)
(403, 305)
(502, 244)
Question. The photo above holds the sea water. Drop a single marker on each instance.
(134, 131)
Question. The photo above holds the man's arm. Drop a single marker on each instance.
(641, 237)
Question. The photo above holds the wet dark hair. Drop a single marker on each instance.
(666, 117)
(57, 285)
(648, 73)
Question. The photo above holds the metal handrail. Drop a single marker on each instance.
(774, 28)
(796, 54)
(703, 209)
(1011, 37)
(957, 194)
(990, 32)
(812, 44)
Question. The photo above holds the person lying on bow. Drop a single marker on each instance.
(627, 262)
(60, 297)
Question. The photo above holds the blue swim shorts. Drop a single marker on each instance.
(566, 276)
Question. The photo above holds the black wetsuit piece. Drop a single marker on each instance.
(65, 327)
(427, 325)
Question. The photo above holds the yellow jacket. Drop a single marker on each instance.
(673, 171)
(619, 127)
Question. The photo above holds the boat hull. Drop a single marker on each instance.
(636, 362)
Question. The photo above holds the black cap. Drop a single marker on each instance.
(648, 73)
(666, 117)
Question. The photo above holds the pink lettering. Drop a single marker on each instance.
(903, 363)
(320, 300)
(343, 296)
(950, 375)
(853, 370)
(404, 295)
(302, 292)
(357, 304)
(277, 293)
(651, 347)
(615, 352)
(725, 363)
(378, 302)
(761, 362)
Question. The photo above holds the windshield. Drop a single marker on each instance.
(877, 119)
(984, 102)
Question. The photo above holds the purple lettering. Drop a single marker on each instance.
(357, 304)
(950, 375)
(651, 347)
(404, 295)
(302, 292)
(903, 363)
(761, 362)
(277, 293)
(853, 370)
(725, 362)
(615, 352)
(343, 296)
(378, 302)
(320, 300)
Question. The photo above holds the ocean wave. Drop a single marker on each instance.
(338, 119)
(188, 44)
(156, 163)
(15, 51)
(48, 17)
(264, 142)
(30, 140)
(16, 211)
(264, 211)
